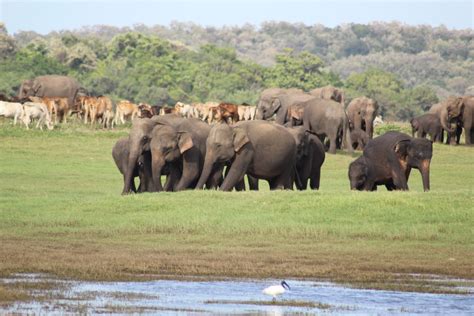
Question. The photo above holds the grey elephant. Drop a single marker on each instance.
(181, 143)
(388, 160)
(310, 157)
(361, 113)
(51, 86)
(466, 118)
(327, 118)
(329, 93)
(258, 148)
(140, 136)
(449, 111)
(276, 102)
(427, 124)
(142, 170)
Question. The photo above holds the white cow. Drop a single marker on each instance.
(38, 111)
(250, 111)
(10, 109)
(378, 120)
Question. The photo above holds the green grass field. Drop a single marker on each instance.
(61, 212)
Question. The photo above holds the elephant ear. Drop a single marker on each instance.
(185, 141)
(36, 87)
(240, 139)
(401, 148)
(276, 104)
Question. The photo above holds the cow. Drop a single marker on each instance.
(226, 111)
(204, 111)
(125, 109)
(11, 109)
(38, 111)
(167, 110)
(185, 110)
(101, 108)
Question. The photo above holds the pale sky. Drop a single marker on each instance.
(54, 15)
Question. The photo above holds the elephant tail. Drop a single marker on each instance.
(346, 134)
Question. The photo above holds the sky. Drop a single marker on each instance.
(53, 15)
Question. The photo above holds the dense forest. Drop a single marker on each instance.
(406, 68)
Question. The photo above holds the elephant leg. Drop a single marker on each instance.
(332, 144)
(240, 186)
(315, 178)
(191, 170)
(215, 179)
(253, 183)
(399, 178)
(172, 178)
(237, 170)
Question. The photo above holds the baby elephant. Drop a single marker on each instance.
(388, 160)
(121, 152)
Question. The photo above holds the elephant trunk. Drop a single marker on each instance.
(127, 182)
(445, 121)
(157, 165)
(259, 114)
(206, 171)
(425, 174)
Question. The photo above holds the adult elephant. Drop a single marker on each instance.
(139, 141)
(449, 111)
(427, 124)
(327, 118)
(310, 157)
(388, 160)
(182, 142)
(467, 118)
(329, 93)
(276, 101)
(51, 86)
(361, 113)
(249, 147)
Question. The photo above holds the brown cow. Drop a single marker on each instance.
(125, 109)
(226, 111)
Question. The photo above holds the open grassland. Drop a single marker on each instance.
(61, 212)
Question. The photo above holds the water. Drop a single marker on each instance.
(171, 297)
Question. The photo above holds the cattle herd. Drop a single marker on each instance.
(215, 145)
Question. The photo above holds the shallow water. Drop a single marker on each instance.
(231, 296)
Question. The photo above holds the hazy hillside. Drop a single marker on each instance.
(422, 58)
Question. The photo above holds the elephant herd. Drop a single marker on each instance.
(287, 153)
(194, 155)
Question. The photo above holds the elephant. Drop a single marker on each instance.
(276, 101)
(139, 141)
(361, 113)
(51, 86)
(449, 111)
(181, 143)
(359, 139)
(427, 124)
(388, 160)
(121, 152)
(310, 157)
(327, 118)
(329, 93)
(249, 147)
(466, 119)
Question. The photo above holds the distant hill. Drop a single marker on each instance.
(433, 56)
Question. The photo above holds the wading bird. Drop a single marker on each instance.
(276, 290)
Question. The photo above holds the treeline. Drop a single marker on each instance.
(405, 68)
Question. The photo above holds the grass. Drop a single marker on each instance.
(61, 212)
(290, 303)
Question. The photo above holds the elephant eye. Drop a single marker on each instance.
(145, 137)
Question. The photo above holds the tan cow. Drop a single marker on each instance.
(125, 109)
(100, 108)
(204, 110)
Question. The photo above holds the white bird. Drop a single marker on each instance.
(276, 290)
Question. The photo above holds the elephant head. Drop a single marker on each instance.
(449, 110)
(222, 144)
(26, 89)
(358, 173)
(416, 153)
(167, 146)
(139, 142)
